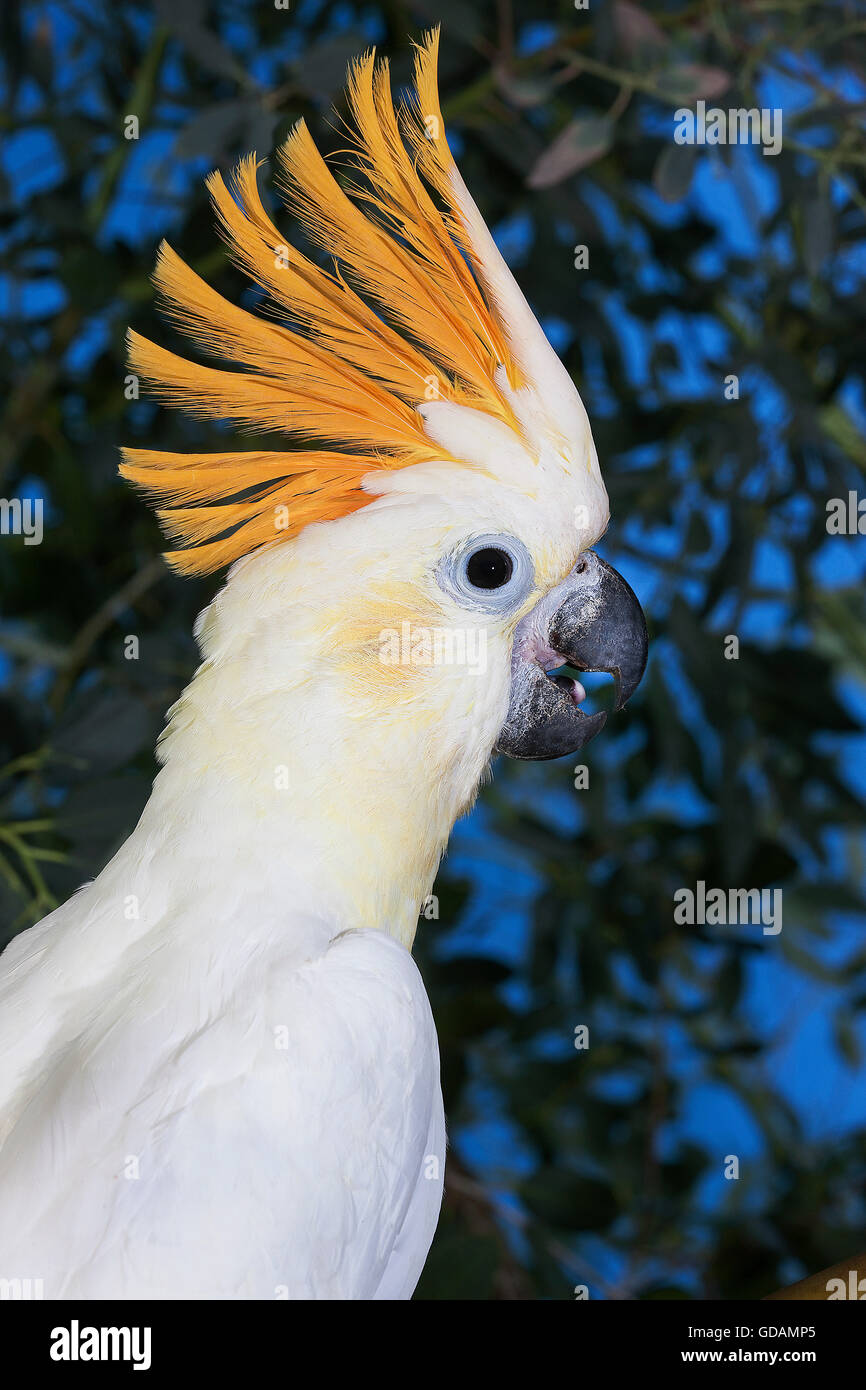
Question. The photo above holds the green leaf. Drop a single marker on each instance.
(583, 141)
(686, 82)
(673, 172)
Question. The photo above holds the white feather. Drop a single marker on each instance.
(220, 1071)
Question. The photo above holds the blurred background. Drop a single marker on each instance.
(601, 1166)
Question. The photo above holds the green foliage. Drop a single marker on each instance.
(735, 772)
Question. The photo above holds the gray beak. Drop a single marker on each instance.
(591, 621)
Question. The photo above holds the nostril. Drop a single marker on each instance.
(580, 567)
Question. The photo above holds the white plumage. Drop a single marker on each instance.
(239, 1157)
(220, 1070)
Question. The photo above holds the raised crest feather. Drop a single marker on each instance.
(350, 351)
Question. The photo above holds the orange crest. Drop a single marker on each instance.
(400, 318)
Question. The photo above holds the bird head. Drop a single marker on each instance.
(416, 551)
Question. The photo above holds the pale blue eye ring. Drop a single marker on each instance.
(493, 573)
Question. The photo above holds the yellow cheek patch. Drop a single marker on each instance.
(377, 642)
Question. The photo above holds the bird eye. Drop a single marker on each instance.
(489, 568)
(493, 573)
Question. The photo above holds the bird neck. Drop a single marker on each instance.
(274, 805)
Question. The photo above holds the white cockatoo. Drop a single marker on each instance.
(220, 1073)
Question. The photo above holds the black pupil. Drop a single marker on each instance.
(489, 568)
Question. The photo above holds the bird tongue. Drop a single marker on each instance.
(573, 687)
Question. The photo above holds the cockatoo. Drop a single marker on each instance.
(220, 1072)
